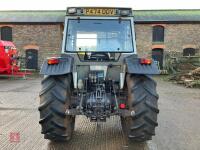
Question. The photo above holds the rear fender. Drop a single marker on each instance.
(134, 67)
(64, 66)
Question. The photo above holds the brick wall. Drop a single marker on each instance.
(143, 39)
(47, 38)
(177, 37)
(180, 36)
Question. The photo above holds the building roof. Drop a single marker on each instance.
(57, 16)
(167, 15)
(32, 16)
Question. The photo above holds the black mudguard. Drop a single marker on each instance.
(63, 67)
(134, 67)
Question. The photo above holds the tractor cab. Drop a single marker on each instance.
(99, 34)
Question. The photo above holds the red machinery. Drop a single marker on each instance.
(9, 60)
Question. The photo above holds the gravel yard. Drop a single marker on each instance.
(178, 129)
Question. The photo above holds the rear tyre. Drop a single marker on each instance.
(143, 99)
(54, 100)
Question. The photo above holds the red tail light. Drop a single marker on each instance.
(53, 61)
(145, 61)
(122, 106)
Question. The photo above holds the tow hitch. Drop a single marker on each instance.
(120, 112)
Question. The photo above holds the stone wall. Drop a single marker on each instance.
(45, 38)
(180, 36)
(143, 39)
(177, 37)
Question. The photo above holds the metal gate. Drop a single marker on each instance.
(157, 55)
(31, 59)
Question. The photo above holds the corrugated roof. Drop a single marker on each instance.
(140, 16)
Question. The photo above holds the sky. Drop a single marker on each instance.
(62, 4)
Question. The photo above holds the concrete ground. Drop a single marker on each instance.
(178, 129)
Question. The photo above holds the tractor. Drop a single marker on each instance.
(98, 75)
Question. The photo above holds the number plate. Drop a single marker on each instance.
(99, 11)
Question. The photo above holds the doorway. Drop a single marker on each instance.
(32, 59)
(157, 55)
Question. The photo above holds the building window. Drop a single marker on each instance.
(158, 33)
(189, 52)
(6, 33)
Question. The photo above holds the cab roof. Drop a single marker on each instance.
(99, 11)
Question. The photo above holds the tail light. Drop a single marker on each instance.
(122, 106)
(53, 61)
(145, 61)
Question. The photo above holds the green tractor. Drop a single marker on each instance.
(98, 75)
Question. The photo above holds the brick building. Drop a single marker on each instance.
(39, 33)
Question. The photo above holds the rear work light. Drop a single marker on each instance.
(124, 12)
(72, 10)
(53, 61)
(145, 61)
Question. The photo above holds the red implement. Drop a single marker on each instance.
(9, 60)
